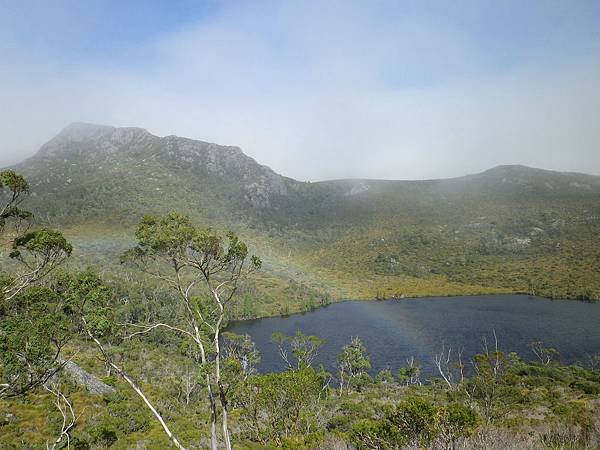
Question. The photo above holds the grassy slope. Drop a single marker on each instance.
(540, 397)
(510, 229)
(320, 241)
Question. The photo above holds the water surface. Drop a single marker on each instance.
(394, 330)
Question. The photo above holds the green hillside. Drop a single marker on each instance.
(509, 229)
(131, 355)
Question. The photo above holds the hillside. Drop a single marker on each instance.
(509, 229)
(90, 172)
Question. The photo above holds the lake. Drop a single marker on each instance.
(394, 330)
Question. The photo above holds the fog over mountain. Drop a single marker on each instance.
(316, 90)
(310, 224)
(481, 233)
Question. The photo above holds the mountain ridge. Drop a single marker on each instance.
(511, 228)
(79, 131)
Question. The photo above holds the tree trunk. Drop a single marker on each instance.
(225, 417)
(138, 391)
(213, 414)
(222, 395)
(149, 405)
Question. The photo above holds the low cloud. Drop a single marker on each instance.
(330, 90)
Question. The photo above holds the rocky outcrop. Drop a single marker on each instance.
(103, 149)
(93, 384)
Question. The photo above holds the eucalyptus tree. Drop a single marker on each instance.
(38, 252)
(33, 333)
(277, 406)
(304, 348)
(33, 327)
(14, 189)
(410, 374)
(241, 349)
(353, 363)
(542, 352)
(204, 268)
(89, 305)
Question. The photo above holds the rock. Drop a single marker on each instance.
(83, 378)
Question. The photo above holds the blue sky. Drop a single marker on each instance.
(315, 89)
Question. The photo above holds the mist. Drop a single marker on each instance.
(318, 90)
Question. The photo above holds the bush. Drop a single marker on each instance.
(587, 387)
(280, 405)
(457, 421)
(415, 419)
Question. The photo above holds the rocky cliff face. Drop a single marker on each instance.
(93, 172)
(83, 152)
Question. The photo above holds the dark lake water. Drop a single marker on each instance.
(394, 330)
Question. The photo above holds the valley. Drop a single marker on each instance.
(511, 229)
(125, 315)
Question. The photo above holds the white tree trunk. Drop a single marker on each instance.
(139, 392)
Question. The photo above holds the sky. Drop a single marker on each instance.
(315, 89)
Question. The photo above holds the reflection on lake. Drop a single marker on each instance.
(394, 330)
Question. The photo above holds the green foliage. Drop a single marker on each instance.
(296, 409)
(39, 322)
(33, 325)
(370, 434)
(88, 299)
(410, 374)
(39, 253)
(456, 421)
(280, 405)
(384, 377)
(353, 364)
(174, 236)
(43, 242)
(492, 387)
(304, 348)
(16, 184)
(13, 189)
(416, 422)
(241, 357)
(33, 332)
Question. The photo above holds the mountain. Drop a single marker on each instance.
(508, 229)
(105, 173)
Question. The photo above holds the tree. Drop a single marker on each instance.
(411, 373)
(39, 253)
(353, 362)
(304, 348)
(69, 419)
(452, 372)
(384, 377)
(415, 421)
(489, 387)
(241, 350)
(33, 332)
(89, 305)
(543, 353)
(13, 190)
(204, 268)
(412, 423)
(33, 327)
